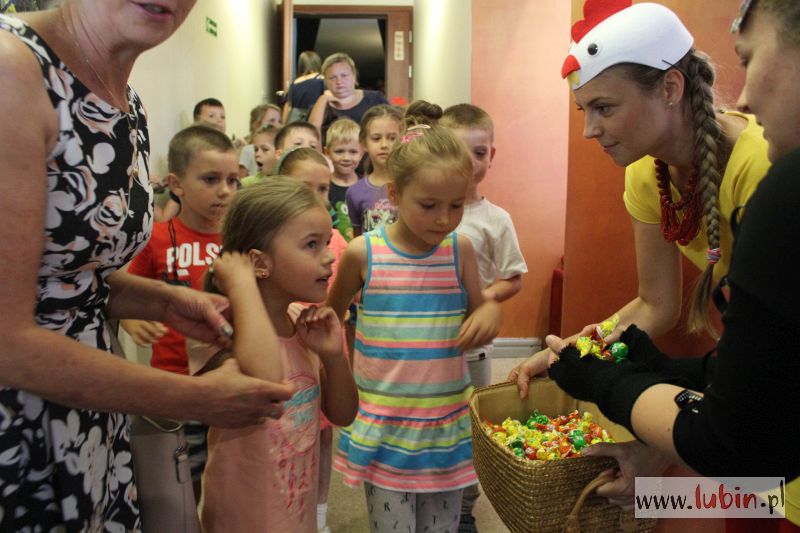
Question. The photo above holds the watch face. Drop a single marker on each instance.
(686, 398)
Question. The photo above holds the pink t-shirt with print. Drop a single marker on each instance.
(264, 477)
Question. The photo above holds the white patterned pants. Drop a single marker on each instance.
(412, 512)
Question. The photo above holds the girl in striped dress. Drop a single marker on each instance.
(421, 307)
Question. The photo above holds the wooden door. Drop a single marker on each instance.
(286, 16)
(398, 41)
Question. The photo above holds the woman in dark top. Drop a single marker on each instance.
(752, 379)
(341, 98)
(304, 90)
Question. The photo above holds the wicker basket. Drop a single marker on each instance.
(544, 496)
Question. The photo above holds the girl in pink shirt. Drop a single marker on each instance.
(264, 478)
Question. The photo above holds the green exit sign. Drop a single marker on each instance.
(211, 26)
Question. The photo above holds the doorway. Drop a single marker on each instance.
(378, 38)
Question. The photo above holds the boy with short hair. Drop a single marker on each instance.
(264, 145)
(343, 148)
(489, 227)
(300, 133)
(212, 111)
(203, 178)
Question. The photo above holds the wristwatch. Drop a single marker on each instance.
(687, 398)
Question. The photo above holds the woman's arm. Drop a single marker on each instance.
(285, 113)
(657, 306)
(317, 114)
(46, 362)
(195, 314)
(350, 277)
(655, 309)
(753, 381)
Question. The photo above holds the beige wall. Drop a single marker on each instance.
(442, 51)
(237, 67)
(353, 2)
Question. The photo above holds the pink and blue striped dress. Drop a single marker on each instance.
(412, 431)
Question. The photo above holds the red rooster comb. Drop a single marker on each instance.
(595, 12)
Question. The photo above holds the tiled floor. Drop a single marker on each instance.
(347, 508)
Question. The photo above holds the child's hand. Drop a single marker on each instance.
(230, 269)
(481, 326)
(321, 332)
(144, 332)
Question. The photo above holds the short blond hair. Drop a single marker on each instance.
(342, 130)
(467, 117)
(339, 57)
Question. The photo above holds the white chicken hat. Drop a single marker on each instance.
(614, 32)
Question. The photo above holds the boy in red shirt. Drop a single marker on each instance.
(203, 178)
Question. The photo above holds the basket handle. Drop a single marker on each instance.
(573, 525)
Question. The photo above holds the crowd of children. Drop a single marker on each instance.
(409, 260)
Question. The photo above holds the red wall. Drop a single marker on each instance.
(516, 58)
(600, 270)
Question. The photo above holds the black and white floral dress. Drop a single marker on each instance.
(64, 469)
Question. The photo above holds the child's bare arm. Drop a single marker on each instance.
(483, 316)
(255, 343)
(321, 332)
(143, 332)
(503, 289)
(349, 278)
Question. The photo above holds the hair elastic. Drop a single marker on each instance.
(713, 256)
(413, 132)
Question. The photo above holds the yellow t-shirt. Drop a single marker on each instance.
(747, 165)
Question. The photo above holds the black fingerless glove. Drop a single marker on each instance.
(689, 372)
(613, 387)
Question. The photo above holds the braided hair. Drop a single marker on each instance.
(710, 157)
(707, 147)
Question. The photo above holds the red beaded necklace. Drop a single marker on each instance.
(685, 230)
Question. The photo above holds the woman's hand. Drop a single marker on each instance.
(320, 330)
(642, 349)
(481, 326)
(144, 332)
(535, 366)
(331, 99)
(608, 339)
(232, 399)
(199, 315)
(635, 459)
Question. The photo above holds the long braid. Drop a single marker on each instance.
(707, 144)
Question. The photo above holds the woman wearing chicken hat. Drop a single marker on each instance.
(753, 377)
(647, 99)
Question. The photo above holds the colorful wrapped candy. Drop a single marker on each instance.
(595, 344)
(542, 438)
